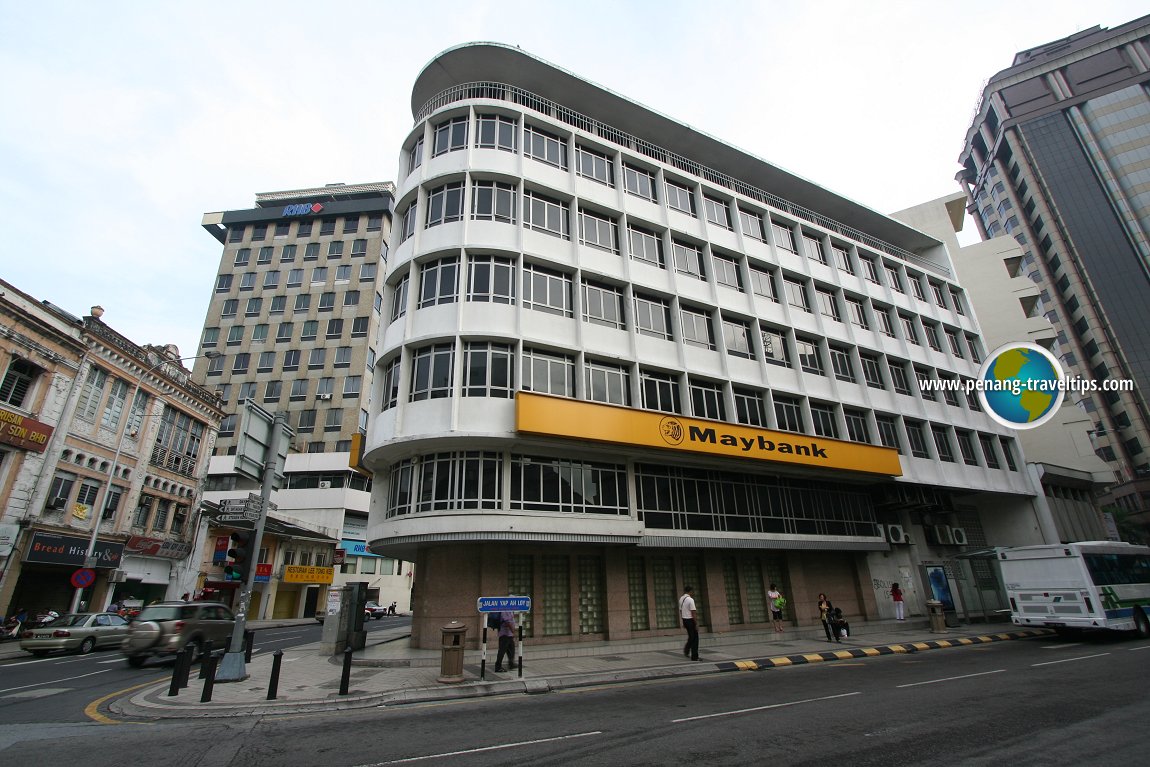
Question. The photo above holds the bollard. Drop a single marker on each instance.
(483, 657)
(184, 666)
(204, 659)
(249, 640)
(519, 650)
(177, 673)
(209, 679)
(274, 682)
(345, 677)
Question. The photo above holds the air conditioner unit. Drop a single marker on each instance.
(323, 396)
(117, 576)
(896, 534)
(942, 535)
(959, 536)
(324, 484)
(58, 502)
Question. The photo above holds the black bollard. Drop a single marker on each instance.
(186, 667)
(177, 673)
(209, 678)
(249, 640)
(483, 656)
(519, 650)
(204, 659)
(274, 682)
(345, 677)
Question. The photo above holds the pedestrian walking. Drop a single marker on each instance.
(826, 615)
(896, 595)
(778, 602)
(690, 622)
(506, 641)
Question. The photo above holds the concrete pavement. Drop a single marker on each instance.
(389, 672)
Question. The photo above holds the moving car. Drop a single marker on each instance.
(374, 610)
(165, 628)
(78, 632)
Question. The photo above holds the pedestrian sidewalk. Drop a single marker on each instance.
(390, 672)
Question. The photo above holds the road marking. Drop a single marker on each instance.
(54, 681)
(92, 710)
(1136, 649)
(952, 678)
(114, 660)
(1067, 660)
(763, 708)
(484, 748)
(1060, 646)
(47, 691)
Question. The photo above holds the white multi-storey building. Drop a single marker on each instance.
(620, 356)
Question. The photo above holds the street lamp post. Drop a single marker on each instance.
(98, 509)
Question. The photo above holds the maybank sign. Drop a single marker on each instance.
(560, 417)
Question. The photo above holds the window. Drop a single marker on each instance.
(956, 299)
(1007, 446)
(888, 431)
(784, 237)
(391, 372)
(319, 275)
(679, 197)
(350, 298)
(334, 328)
(639, 182)
(971, 395)
(717, 212)
(828, 307)
(272, 391)
(775, 347)
(439, 281)
(696, 328)
(333, 421)
(608, 383)
(895, 282)
(749, 407)
(842, 259)
(545, 214)
(546, 290)
(216, 366)
(966, 447)
(316, 359)
(253, 307)
(948, 394)
(972, 344)
(306, 421)
(445, 204)
(303, 229)
(495, 132)
(928, 391)
(751, 224)
(908, 329)
(545, 147)
(223, 283)
(367, 272)
(872, 371)
(491, 279)
(870, 269)
(763, 284)
(598, 231)
(449, 136)
(235, 335)
(287, 254)
(243, 257)
(548, 373)
(302, 302)
(952, 341)
(688, 259)
(415, 155)
(645, 246)
(857, 313)
(808, 352)
(291, 359)
(399, 298)
(259, 334)
(737, 338)
(284, 331)
(326, 301)
(359, 327)
(114, 407)
(916, 438)
(259, 232)
(788, 414)
(602, 305)
(248, 281)
(916, 286)
(885, 324)
(857, 429)
(311, 251)
(988, 451)
(841, 362)
(431, 373)
(351, 386)
(942, 443)
(930, 330)
(652, 317)
(230, 307)
(240, 362)
(823, 417)
(594, 165)
(295, 278)
(343, 273)
(374, 222)
(796, 294)
(327, 227)
(236, 233)
(488, 370)
(660, 391)
(343, 356)
(493, 201)
(814, 249)
(358, 248)
(407, 221)
(211, 337)
(265, 256)
(706, 400)
(898, 377)
(727, 271)
(267, 362)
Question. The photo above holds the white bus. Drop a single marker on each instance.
(1070, 586)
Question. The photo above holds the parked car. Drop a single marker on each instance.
(375, 610)
(321, 614)
(79, 632)
(165, 628)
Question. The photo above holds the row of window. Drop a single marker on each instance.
(296, 390)
(303, 421)
(304, 227)
(317, 358)
(295, 278)
(285, 332)
(254, 307)
(153, 514)
(498, 201)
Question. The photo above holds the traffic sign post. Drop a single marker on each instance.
(83, 578)
(510, 604)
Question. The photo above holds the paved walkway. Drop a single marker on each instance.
(389, 672)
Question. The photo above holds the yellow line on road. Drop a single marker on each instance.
(92, 710)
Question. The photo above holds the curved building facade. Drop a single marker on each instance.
(620, 356)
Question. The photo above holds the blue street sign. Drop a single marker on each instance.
(500, 604)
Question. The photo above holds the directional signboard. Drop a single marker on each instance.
(255, 437)
(511, 604)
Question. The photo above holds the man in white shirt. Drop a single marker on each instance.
(687, 613)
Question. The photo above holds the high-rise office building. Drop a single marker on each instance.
(621, 357)
(1058, 157)
(295, 309)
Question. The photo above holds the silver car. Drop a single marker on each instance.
(80, 632)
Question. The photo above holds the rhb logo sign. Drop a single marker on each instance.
(302, 209)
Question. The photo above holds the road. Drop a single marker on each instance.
(58, 688)
(1028, 702)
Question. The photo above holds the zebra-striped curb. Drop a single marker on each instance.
(870, 652)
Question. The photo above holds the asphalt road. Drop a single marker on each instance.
(57, 689)
(1025, 702)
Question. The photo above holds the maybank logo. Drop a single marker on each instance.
(672, 431)
(757, 443)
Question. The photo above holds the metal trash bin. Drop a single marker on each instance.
(937, 616)
(451, 653)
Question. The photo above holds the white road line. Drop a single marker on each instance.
(762, 708)
(1060, 646)
(270, 641)
(1067, 660)
(286, 636)
(1136, 649)
(952, 678)
(484, 748)
(55, 681)
(114, 660)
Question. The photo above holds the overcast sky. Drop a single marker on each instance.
(125, 122)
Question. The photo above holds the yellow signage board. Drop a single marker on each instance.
(305, 574)
(561, 417)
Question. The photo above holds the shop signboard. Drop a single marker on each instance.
(24, 432)
(306, 574)
(263, 573)
(52, 549)
(157, 547)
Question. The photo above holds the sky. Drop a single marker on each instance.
(125, 122)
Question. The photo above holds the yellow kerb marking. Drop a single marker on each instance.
(813, 658)
(843, 654)
(784, 661)
(921, 646)
(92, 710)
(747, 665)
(871, 651)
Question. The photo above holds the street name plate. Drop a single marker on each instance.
(500, 604)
